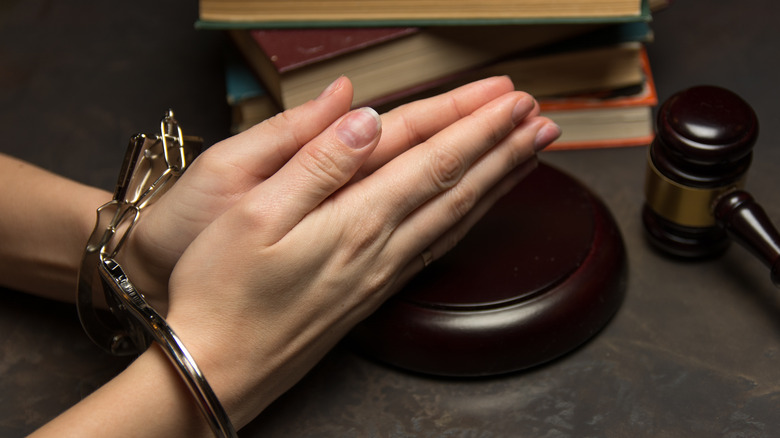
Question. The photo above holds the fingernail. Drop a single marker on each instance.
(329, 89)
(546, 135)
(522, 108)
(359, 128)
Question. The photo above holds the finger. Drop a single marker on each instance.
(424, 172)
(263, 149)
(418, 121)
(224, 173)
(319, 169)
(444, 243)
(227, 170)
(426, 224)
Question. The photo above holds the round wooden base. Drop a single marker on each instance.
(539, 275)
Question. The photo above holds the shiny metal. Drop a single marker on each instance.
(427, 257)
(684, 205)
(150, 167)
(113, 313)
(124, 296)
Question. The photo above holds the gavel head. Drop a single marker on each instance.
(702, 149)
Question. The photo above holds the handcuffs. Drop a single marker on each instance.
(152, 164)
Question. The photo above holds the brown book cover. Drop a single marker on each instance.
(295, 64)
(289, 49)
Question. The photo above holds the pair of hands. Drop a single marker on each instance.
(279, 240)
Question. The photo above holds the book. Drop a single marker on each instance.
(597, 69)
(362, 13)
(619, 115)
(295, 64)
(606, 118)
(616, 118)
(248, 101)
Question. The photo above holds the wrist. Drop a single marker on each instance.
(148, 277)
(159, 378)
(45, 232)
(248, 364)
(147, 387)
(244, 380)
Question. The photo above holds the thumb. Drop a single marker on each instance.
(318, 170)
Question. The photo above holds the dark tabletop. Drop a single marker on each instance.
(693, 351)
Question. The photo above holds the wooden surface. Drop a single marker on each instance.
(694, 350)
(538, 276)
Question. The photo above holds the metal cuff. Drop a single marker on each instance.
(127, 324)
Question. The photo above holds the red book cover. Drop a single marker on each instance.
(289, 49)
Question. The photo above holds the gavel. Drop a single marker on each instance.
(695, 202)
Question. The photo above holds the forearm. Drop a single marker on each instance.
(45, 224)
(148, 399)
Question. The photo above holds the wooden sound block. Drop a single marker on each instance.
(539, 275)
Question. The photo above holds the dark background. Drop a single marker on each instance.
(694, 350)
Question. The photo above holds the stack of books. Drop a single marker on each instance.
(584, 60)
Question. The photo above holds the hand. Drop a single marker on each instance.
(309, 240)
(224, 173)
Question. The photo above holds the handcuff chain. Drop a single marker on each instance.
(123, 212)
(134, 324)
(144, 159)
(151, 165)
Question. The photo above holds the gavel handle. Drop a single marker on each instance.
(746, 221)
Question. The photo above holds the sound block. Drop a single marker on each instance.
(538, 276)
